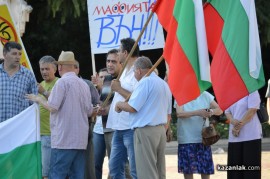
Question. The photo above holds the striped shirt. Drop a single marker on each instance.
(12, 91)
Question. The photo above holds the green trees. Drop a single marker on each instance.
(67, 8)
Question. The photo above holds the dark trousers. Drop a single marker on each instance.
(248, 154)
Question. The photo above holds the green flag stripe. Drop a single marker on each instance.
(235, 36)
(186, 35)
(22, 162)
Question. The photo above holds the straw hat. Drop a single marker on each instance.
(66, 58)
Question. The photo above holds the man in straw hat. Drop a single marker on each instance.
(69, 119)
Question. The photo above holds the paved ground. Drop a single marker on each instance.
(218, 156)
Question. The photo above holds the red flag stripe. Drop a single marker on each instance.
(235, 86)
(215, 22)
(183, 89)
(179, 66)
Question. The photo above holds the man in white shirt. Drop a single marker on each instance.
(122, 142)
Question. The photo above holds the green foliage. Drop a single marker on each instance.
(223, 130)
(174, 124)
(174, 131)
(266, 130)
(263, 17)
(67, 8)
(45, 35)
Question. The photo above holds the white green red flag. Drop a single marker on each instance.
(20, 151)
(185, 48)
(233, 41)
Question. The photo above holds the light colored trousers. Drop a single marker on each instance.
(149, 147)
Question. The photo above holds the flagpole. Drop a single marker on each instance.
(155, 65)
(93, 63)
(129, 55)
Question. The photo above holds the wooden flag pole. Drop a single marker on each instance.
(155, 65)
(129, 55)
(93, 63)
(135, 44)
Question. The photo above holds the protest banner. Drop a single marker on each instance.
(111, 20)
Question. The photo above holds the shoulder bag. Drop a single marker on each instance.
(262, 114)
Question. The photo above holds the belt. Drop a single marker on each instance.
(150, 126)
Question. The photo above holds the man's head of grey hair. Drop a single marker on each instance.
(48, 59)
(143, 63)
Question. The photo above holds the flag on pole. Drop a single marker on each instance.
(233, 41)
(185, 48)
(20, 151)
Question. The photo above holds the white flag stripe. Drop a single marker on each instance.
(255, 57)
(201, 41)
(20, 130)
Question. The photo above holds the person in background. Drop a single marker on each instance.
(268, 98)
(102, 144)
(70, 106)
(89, 166)
(15, 82)
(98, 79)
(193, 156)
(149, 107)
(169, 132)
(245, 133)
(48, 69)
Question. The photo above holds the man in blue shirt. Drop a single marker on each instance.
(149, 107)
(15, 82)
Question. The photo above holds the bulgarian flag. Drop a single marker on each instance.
(185, 49)
(20, 152)
(233, 41)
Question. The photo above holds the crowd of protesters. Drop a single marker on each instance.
(79, 125)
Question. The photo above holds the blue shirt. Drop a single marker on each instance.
(12, 91)
(152, 100)
(189, 130)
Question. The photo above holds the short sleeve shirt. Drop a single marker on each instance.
(44, 113)
(152, 101)
(71, 98)
(238, 110)
(189, 129)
